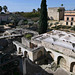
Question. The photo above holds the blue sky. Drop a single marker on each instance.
(28, 5)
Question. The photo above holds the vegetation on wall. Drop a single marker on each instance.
(28, 36)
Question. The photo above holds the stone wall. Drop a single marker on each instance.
(36, 52)
(31, 53)
(59, 49)
(25, 42)
(54, 14)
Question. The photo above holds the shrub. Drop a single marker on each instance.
(28, 35)
(66, 27)
(30, 14)
(73, 28)
(51, 24)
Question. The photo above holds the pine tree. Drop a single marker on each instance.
(43, 18)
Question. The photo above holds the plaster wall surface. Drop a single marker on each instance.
(54, 14)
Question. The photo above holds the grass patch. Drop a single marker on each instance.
(28, 36)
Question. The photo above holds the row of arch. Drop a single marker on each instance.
(39, 54)
(62, 62)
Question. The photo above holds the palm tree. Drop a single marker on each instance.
(5, 8)
(0, 8)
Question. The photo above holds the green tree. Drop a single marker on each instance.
(61, 4)
(38, 9)
(43, 18)
(14, 18)
(34, 10)
(5, 8)
(0, 8)
(59, 10)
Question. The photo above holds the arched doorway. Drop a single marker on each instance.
(25, 54)
(72, 67)
(61, 62)
(50, 57)
(39, 54)
(20, 50)
(51, 54)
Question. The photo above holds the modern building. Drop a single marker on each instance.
(69, 17)
(56, 13)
